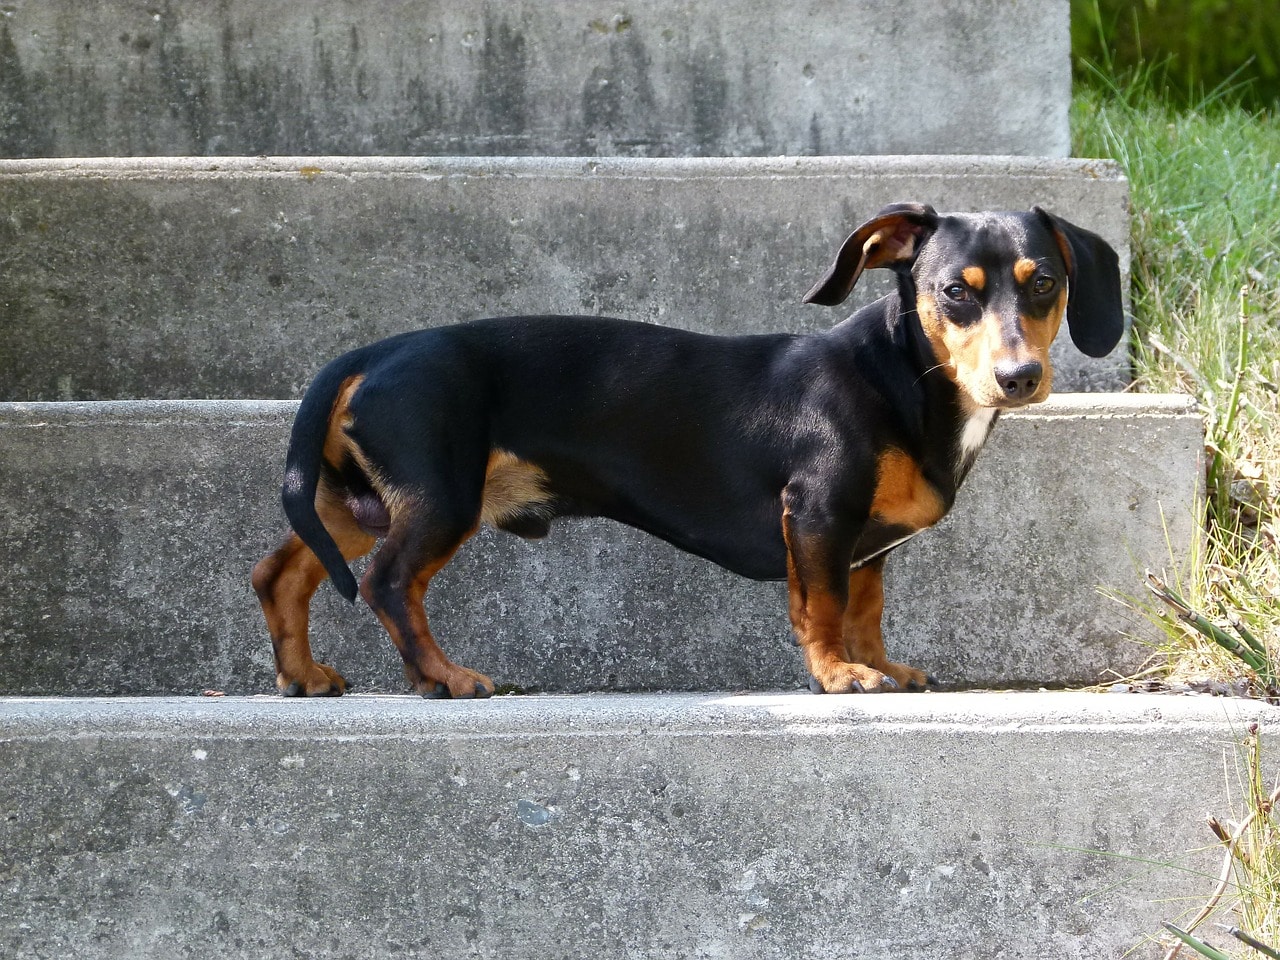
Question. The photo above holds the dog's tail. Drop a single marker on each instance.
(303, 464)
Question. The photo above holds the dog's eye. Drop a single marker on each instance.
(1043, 285)
(956, 291)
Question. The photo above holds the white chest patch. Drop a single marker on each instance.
(976, 430)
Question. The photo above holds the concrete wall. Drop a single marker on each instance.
(130, 529)
(496, 77)
(240, 278)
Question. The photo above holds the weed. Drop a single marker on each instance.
(1205, 185)
(1250, 868)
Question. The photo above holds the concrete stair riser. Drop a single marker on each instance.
(132, 527)
(519, 77)
(609, 827)
(240, 278)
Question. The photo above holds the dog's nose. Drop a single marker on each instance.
(1019, 380)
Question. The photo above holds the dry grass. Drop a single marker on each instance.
(1205, 187)
(1206, 298)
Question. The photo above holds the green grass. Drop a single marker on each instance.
(1205, 185)
(1199, 42)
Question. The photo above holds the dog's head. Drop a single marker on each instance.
(991, 291)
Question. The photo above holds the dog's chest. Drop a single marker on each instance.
(905, 501)
(973, 436)
(904, 497)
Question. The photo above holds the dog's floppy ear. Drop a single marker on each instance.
(893, 235)
(1095, 308)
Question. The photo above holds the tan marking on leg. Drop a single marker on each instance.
(862, 618)
(511, 485)
(817, 612)
(425, 663)
(862, 626)
(903, 497)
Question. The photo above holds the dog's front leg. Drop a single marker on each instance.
(819, 549)
(863, 640)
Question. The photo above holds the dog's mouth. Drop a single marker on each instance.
(1006, 403)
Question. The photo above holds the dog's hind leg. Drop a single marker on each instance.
(421, 542)
(285, 581)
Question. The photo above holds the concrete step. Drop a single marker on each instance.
(516, 77)
(130, 528)
(965, 826)
(240, 277)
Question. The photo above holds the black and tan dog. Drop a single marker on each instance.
(804, 458)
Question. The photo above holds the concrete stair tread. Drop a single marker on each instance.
(316, 167)
(714, 712)
(696, 825)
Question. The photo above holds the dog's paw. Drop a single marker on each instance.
(841, 677)
(908, 678)
(458, 683)
(318, 680)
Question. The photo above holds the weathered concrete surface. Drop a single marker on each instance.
(129, 531)
(700, 826)
(523, 77)
(240, 278)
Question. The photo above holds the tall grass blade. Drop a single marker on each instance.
(1257, 662)
(1199, 947)
(1258, 945)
